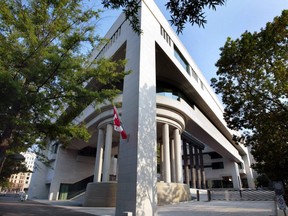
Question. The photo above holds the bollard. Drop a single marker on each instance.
(197, 194)
(209, 195)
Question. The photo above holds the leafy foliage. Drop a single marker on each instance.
(181, 11)
(253, 80)
(45, 77)
(130, 8)
(190, 11)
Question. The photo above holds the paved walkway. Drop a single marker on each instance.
(220, 208)
(11, 206)
(201, 208)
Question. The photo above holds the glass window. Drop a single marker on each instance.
(181, 59)
(214, 155)
(240, 165)
(218, 165)
(194, 75)
(173, 92)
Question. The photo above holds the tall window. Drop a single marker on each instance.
(173, 92)
(181, 59)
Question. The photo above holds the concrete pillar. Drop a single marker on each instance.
(173, 161)
(197, 167)
(137, 178)
(249, 172)
(166, 147)
(192, 169)
(202, 173)
(99, 156)
(54, 190)
(236, 176)
(178, 156)
(161, 162)
(107, 153)
(113, 166)
(185, 161)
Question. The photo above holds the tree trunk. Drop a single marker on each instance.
(2, 157)
(5, 140)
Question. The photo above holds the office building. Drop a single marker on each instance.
(177, 137)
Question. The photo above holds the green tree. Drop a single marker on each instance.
(253, 81)
(45, 76)
(181, 11)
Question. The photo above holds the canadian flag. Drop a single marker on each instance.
(117, 125)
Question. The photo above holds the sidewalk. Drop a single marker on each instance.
(200, 208)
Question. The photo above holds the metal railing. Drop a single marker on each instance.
(68, 191)
(243, 195)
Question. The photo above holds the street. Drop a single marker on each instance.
(10, 205)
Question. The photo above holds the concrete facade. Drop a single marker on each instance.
(174, 121)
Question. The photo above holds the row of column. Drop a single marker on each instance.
(194, 174)
(171, 156)
(171, 167)
(103, 155)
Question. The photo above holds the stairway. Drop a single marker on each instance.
(68, 191)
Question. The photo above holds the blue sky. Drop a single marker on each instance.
(230, 20)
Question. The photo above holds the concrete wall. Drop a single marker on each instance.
(168, 193)
(69, 168)
(230, 170)
(101, 194)
(104, 194)
(39, 189)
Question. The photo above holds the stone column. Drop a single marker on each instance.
(236, 176)
(99, 156)
(107, 153)
(167, 167)
(192, 169)
(173, 161)
(202, 173)
(161, 162)
(178, 156)
(185, 160)
(113, 167)
(249, 172)
(197, 170)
